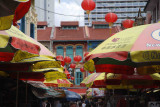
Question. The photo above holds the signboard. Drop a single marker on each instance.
(154, 104)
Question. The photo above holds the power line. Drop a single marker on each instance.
(59, 13)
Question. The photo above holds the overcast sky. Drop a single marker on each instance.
(69, 7)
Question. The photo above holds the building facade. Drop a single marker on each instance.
(28, 24)
(123, 9)
(44, 33)
(43, 9)
(70, 40)
(153, 11)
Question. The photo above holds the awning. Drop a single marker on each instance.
(79, 91)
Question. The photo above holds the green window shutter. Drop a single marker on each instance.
(79, 51)
(69, 52)
(60, 51)
(78, 77)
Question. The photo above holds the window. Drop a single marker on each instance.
(78, 76)
(59, 51)
(69, 52)
(79, 51)
(101, 26)
(22, 26)
(69, 27)
(32, 30)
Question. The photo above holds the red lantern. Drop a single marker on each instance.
(88, 5)
(73, 66)
(77, 58)
(62, 63)
(111, 18)
(68, 76)
(72, 78)
(86, 53)
(59, 57)
(67, 59)
(128, 23)
(82, 69)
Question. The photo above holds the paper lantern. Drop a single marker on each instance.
(62, 63)
(88, 5)
(59, 57)
(111, 18)
(67, 59)
(72, 78)
(128, 23)
(77, 58)
(72, 66)
(82, 69)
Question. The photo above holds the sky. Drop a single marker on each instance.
(69, 7)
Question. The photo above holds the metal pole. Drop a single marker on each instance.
(17, 89)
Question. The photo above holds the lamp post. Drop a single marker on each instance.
(139, 20)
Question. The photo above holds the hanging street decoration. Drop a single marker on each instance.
(77, 58)
(82, 69)
(88, 5)
(111, 18)
(128, 23)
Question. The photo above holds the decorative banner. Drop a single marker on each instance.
(6, 22)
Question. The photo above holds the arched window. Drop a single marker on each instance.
(78, 76)
(79, 51)
(69, 52)
(59, 51)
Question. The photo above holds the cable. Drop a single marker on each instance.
(59, 13)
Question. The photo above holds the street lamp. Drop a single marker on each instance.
(139, 20)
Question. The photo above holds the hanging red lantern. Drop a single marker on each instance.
(72, 78)
(128, 23)
(86, 53)
(111, 18)
(59, 57)
(82, 69)
(88, 5)
(73, 66)
(62, 63)
(68, 76)
(77, 58)
(67, 59)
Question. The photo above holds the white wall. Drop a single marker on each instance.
(43, 15)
